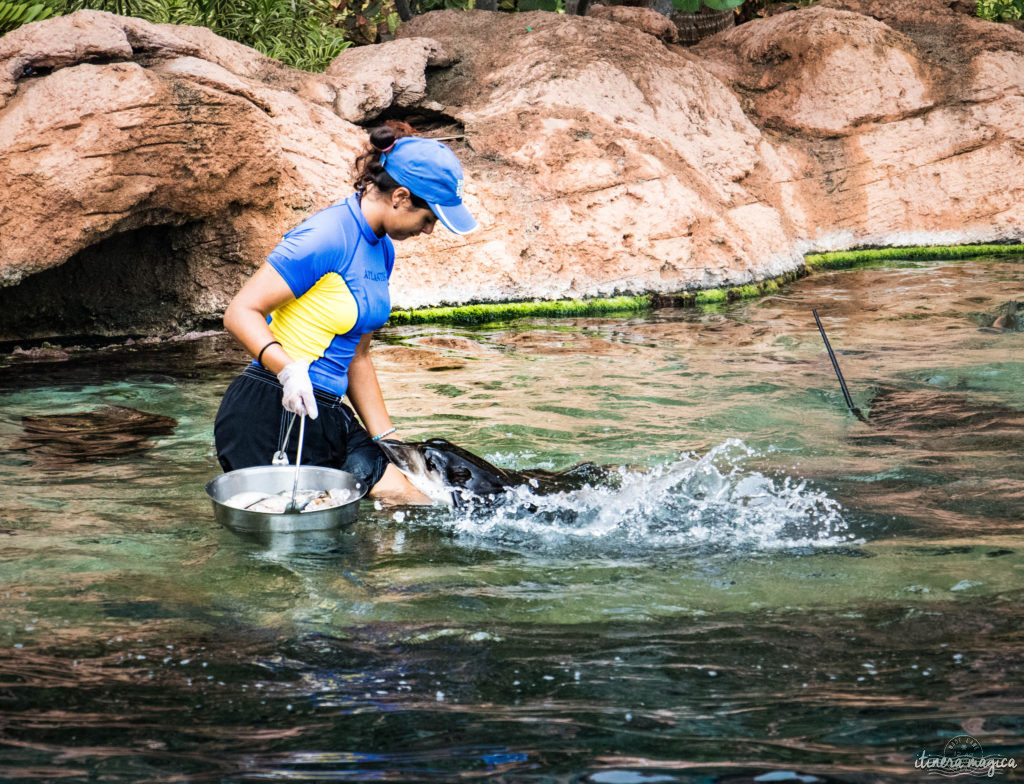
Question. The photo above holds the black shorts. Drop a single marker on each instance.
(251, 423)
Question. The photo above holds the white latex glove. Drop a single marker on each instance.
(298, 389)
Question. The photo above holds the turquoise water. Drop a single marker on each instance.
(763, 589)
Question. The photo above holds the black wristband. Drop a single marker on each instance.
(259, 356)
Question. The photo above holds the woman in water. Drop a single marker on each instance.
(308, 314)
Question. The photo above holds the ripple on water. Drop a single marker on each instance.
(688, 618)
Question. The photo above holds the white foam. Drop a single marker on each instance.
(709, 502)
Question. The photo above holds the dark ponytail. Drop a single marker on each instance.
(370, 171)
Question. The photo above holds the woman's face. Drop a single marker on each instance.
(405, 219)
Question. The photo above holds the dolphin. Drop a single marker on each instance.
(452, 475)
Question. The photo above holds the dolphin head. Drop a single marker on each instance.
(426, 476)
(441, 470)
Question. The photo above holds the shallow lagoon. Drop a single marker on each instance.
(769, 589)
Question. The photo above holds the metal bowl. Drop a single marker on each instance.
(275, 479)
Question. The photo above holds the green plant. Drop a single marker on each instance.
(300, 33)
(693, 6)
(1000, 10)
(153, 10)
(541, 5)
(14, 15)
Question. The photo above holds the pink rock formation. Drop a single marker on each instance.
(902, 120)
(624, 166)
(370, 79)
(644, 19)
(600, 162)
(823, 72)
(165, 162)
(122, 127)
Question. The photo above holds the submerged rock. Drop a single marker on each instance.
(1009, 316)
(40, 354)
(940, 422)
(91, 435)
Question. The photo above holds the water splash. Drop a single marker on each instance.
(702, 503)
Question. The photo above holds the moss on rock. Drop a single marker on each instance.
(488, 312)
(483, 313)
(709, 296)
(851, 258)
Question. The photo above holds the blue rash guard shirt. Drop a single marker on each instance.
(338, 270)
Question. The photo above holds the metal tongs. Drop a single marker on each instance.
(280, 458)
(292, 507)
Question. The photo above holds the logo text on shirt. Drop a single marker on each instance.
(380, 277)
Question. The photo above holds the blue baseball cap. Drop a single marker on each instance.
(431, 171)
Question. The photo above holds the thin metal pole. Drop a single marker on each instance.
(839, 374)
(292, 506)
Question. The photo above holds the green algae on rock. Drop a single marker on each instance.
(719, 296)
(483, 313)
(851, 258)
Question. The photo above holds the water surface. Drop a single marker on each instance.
(764, 588)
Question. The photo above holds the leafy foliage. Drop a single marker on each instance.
(693, 6)
(422, 6)
(1001, 10)
(301, 33)
(541, 5)
(366, 21)
(14, 15)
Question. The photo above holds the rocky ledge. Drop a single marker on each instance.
(148, 169)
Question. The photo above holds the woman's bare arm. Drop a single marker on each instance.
(246, 316)
(368, 400)
(364, 390)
